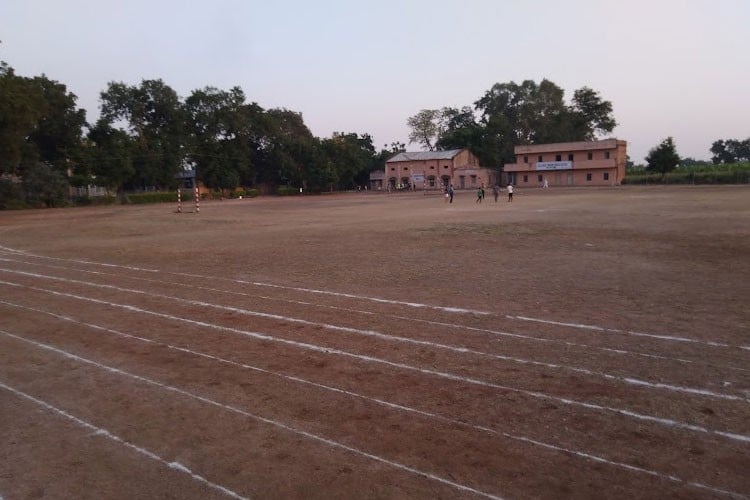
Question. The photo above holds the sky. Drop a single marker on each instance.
(678, 68)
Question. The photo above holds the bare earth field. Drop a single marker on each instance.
(576, 343)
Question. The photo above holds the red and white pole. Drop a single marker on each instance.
(197, 199)
(179, 200)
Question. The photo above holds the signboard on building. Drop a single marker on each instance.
(554, 165)
(417, 178)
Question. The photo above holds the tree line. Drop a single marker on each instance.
(146, 134)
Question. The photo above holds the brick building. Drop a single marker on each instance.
(436, 169)
(589, 163)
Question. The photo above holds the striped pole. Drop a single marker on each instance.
(179, 200)
(197, 199)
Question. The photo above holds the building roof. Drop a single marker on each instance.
(568, 146)
(425, 155)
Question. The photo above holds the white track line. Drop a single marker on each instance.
(275, 423)
(370, 359)
(388, 404)
(98, 431)
(669, 338)
(392, 338)
(393, 316)
(261, 284)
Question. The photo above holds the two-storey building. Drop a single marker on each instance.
(588, 163)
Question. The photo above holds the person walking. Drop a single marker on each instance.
(479, 196)
(510, 192)
(450, 193)
(495, 191)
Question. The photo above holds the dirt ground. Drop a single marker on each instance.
(579, 343)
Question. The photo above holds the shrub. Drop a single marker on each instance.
(287, 190)
(143, 198)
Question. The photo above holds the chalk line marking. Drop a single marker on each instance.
(274, 423)
(370, 359)
(668, 338)
(98, 431)
(269, 285)
(393, 316)
(388, 404)
(392, 338)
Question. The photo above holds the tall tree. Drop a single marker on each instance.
(21, 107)
(663, 158)
(109, 157)
(221, 144)
(424, 128)
(512, 114)
(59, 130)
(153, 114)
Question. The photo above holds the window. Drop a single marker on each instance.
(432, 168)
(558, 158)
(606, 155)
(539, 158)
(525, 178)
(570, 157)
(588, 177)
(539, 178)
(393, 169)
(526, 159)
(591, 156)
(606, 176)
(445, 166)
(406, 168)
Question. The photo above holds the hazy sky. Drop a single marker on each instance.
(676, 68)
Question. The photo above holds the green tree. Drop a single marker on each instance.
(154, 116)
(730, 151)
(663, 158)
(58, 133)
(351, 157)
(109, 156)
(21, 106)
(221, 136)
(424, 128)
(42, 185)
(512, 114)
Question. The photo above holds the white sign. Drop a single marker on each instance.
(417, 177)
(554, 165)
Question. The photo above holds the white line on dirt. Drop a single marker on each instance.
(402, 318)
(393, 316)
(98, 431)
(392, 338)
(388, 404)
(669, 338)
(370, 359)
(624, 332)
(270, 285)
(275, 423)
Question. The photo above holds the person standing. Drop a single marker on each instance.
(450, 193)
(495, 191)
(510, 192)
(479, 196)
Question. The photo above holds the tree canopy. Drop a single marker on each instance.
(511, 114)
(663, 158)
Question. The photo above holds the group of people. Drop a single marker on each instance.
(480, 193)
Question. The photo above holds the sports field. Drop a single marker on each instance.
(575, 343)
